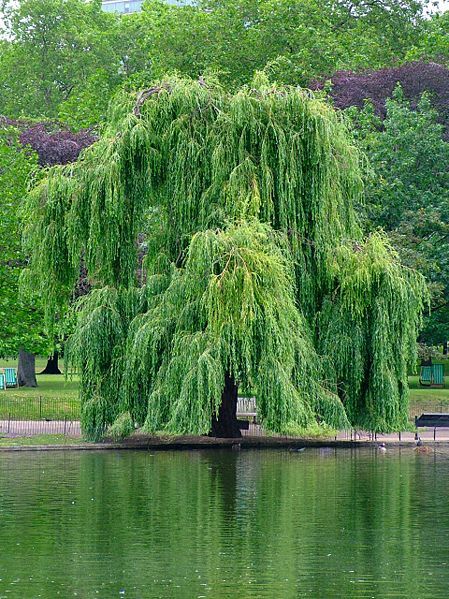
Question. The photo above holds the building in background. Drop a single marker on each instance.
(129, 6)
(122, 6)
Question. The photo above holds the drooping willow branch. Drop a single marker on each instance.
(143, 96)
(255, 265)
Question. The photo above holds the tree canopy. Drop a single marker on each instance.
(400, 122)
(62, 59)
(24, 146)
(349, 88)
(66, 58)
(407, 193)
(22, 325)
(256, 274)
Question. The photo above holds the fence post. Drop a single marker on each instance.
(9, 421)
(40, 407)
(65, 424)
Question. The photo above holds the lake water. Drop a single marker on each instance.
(224, 524)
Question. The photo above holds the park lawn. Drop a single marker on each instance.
(38, 408)
(55, 398)
(54, 386)
(430, 395)
(425, 399)
(419, 393)
(39, 440)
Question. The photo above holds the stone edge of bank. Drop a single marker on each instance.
(195, 443)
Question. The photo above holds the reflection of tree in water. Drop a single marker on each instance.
(223, 481)
(260, 524)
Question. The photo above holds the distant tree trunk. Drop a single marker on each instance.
(52, 365)
(26, 373)
(445, 348)
(226, 424)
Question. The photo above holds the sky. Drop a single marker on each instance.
(443, 5)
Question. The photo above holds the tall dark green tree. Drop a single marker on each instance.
(256, 274)
(66, 58)
(295, 40)
(22, 330)
(407, 194)
(59, 59)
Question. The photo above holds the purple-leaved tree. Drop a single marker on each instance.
(352, 89)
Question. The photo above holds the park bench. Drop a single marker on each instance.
(2, 382)
(432, 376)
(10, 377)
(246, 412)
(432, 420)
(246, 408)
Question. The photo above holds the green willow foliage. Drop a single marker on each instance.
(254, 266)
(369, 326)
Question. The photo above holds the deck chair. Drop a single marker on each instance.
(2, 382)
(438, 375)
(10, 377)
(425, 377)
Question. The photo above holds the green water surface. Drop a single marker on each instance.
(222, 524)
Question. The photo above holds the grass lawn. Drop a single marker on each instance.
(54, 398)
(39, 440)
(424, 399)
(51, 386)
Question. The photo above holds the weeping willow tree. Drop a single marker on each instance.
(255, 274)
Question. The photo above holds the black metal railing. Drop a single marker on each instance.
(38, 408)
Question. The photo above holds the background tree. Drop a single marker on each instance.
(23, 332)
(256, 272)
(66, 58)
(53, 142)
(296, 41)
(407, 194)
(432, 44)
(24, 145)
(56, 53)
(349, 88)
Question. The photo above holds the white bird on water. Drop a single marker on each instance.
(381, 447)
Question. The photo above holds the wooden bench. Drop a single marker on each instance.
(432, 420)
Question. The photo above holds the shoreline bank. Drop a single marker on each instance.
(194, 443)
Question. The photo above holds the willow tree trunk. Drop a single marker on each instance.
(225, 424)
(26, 371)
(52, 365)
